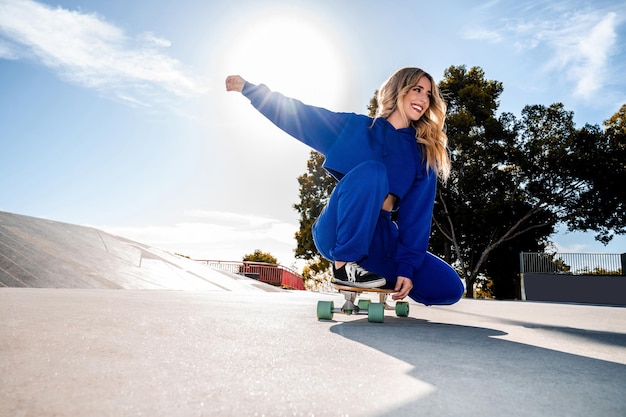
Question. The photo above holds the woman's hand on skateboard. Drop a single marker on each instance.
(235, 83)
(403, 286)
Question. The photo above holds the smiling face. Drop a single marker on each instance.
(413, 105)
(417, 100)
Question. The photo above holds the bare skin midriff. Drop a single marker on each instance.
(390, 202)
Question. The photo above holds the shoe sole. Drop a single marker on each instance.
(372, 284)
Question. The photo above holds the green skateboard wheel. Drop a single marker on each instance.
(325, 310)
(402, 309)
(376, 313)
(364, 304)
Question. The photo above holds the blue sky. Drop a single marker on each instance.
(113, 114)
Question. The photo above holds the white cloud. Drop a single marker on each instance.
(87, 50)
(581, 49)
(7, 51)
(217, 235)
(570, 248)
(594, 51)
(229, 218)
(154, 39)
(482, 34)
(578, 41)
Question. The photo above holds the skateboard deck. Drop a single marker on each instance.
(361, 290)
(375, 311)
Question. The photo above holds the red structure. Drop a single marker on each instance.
(272, 274)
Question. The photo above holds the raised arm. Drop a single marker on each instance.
(315, 126)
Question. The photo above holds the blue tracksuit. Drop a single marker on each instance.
(370, 159)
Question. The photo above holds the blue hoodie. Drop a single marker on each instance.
(346, 140)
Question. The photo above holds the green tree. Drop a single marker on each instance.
(260, 256)
(514, 180)
(315, 188)
(600, 161)
(480, 207)
(577, 174)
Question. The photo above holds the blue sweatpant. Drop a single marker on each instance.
(353, 228)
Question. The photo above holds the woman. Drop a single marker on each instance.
(385, 164)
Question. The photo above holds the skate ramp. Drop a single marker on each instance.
(39, 253)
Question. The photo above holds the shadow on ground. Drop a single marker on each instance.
(475, 372)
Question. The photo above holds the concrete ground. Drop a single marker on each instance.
(94, 325)
(72, 352)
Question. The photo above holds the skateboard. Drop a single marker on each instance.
(375, 311)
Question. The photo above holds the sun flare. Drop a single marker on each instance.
(297, 56)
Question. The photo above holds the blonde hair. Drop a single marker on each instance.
(430, 127)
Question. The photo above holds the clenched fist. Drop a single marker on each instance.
(235, 83)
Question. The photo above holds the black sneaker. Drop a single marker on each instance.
(354, 275)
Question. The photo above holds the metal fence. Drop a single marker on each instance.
(277, 275)
(593, 278)
(573, 263)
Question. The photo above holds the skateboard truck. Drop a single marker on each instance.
(348, 306)
(375, 311)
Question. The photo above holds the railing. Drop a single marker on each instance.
(573, 263)
(273, 274)
(592, 278)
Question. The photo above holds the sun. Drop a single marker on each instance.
(296, 55)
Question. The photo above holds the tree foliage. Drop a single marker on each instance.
(260, 256)
(482, 205)
(315, 188)
(600, 161)
(514, 181)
